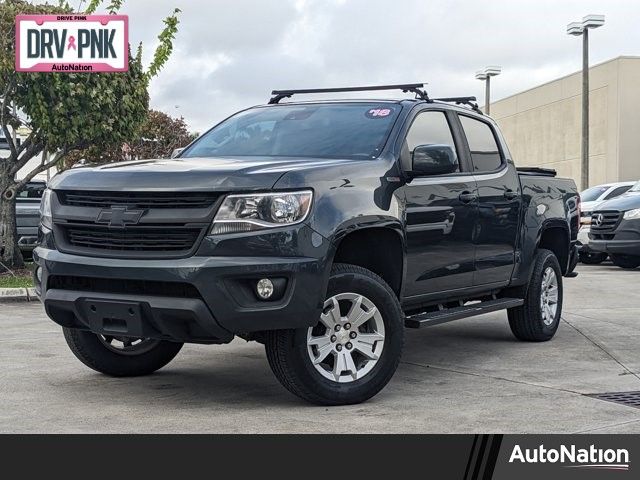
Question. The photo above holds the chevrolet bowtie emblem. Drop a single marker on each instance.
(119, 217)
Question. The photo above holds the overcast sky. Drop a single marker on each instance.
(229, 54)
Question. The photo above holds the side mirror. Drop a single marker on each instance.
(433, 160)
(176, 152)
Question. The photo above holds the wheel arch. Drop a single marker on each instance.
(379, 248)
(554, 235)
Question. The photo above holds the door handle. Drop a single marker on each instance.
(467, 197)
(511, 194)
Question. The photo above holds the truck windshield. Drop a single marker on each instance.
(334, 130)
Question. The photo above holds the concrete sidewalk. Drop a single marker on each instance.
(467, 376)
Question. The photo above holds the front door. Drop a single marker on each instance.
(441, 212)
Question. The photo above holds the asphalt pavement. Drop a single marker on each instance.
(466, 376)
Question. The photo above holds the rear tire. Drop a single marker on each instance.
(593, 258)
(625, 261)
(538, 319)
(144, 357)
(353, 351)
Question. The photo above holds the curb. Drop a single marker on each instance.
(8, 295)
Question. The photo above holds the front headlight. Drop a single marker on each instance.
(631, 214)
(246, 213)
(585, 219)
(45, 209)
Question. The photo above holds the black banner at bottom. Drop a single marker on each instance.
(466, 457)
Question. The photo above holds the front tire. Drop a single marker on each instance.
(538, 319)
(626, 261)
(120, 356)
(592, 258)
(353, 350)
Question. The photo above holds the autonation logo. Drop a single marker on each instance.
(573, 457)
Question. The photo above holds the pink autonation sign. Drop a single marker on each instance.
(72, 43)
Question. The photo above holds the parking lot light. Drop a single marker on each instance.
(486, 74)
(582, 29)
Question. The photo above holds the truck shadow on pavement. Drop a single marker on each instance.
(200, 378)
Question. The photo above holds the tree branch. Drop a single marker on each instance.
(3, 110)
(30, 152)
(41, 168)
(27, 142)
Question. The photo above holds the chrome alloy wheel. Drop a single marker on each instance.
(549, 296)
(128, 345)
(347, 342)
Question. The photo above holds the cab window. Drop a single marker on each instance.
(485, 153)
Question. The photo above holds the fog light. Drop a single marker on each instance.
(39, 274)
(264, 288)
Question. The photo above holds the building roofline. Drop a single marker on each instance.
(615, 59)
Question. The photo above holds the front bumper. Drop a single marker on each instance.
(27, 238)
(204, 299)
(583, 239)
(622, 247)
(625, 240)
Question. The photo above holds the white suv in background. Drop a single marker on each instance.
(590, 199)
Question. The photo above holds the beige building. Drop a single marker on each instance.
(543, 125)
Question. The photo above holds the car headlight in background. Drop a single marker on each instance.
(585, 218)
(246, 213)
(45, 209)
(631, 214)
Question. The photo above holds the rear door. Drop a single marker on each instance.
(441, 212)
(499, 202)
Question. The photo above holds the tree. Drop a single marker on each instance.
(65, 112)
(157, 137)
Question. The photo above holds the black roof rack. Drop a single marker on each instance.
(470, 101)
(409, 87)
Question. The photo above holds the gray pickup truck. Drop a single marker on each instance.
(28, 215)
(320, 229)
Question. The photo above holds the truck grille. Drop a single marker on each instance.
(137, 199)
(132, 224)
(605, 221)
(123, 286)
(163, 239)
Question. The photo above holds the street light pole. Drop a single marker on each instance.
(584, 170)
(486, 75)
(577, 29)
(487, 95)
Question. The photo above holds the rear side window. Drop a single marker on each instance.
(616, 192)
(485, 153)
(32, 190)
(430, 128)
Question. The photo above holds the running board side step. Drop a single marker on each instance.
(449, 314)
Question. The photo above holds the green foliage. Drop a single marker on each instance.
(157, 137)
(92, 6)
(67, 112)
(70, 111)
(164, 49)
(74, 110)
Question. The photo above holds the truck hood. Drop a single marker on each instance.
(186, 174)
(628, 201)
